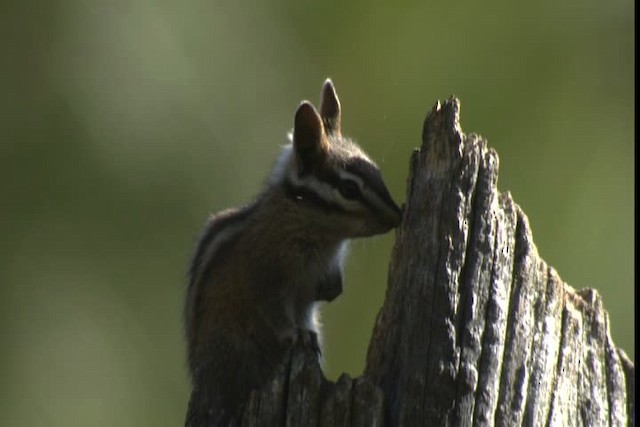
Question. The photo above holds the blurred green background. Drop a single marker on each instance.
(125, 123)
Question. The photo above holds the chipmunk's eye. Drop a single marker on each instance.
(349, 189)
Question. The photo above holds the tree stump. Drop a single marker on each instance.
(476, 329)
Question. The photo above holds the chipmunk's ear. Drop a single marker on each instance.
(308, 133)
(330, 108)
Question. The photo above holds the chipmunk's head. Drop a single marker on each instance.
(334, 183)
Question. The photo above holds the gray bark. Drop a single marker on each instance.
(476, 329)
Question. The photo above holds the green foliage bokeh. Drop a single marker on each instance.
(125, 123)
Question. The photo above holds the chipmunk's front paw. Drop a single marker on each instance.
(330, 287)
(309, 340)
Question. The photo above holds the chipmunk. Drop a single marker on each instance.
(260, 271)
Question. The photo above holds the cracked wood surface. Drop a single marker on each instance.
(476, 329)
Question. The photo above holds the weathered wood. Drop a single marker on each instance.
(476, 329)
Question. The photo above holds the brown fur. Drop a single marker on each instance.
(259, 272)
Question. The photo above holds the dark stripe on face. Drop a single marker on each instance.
(301, 194)
(323, 173)
(372, 179)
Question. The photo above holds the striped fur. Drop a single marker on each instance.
(259, 272)
(320, 185)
